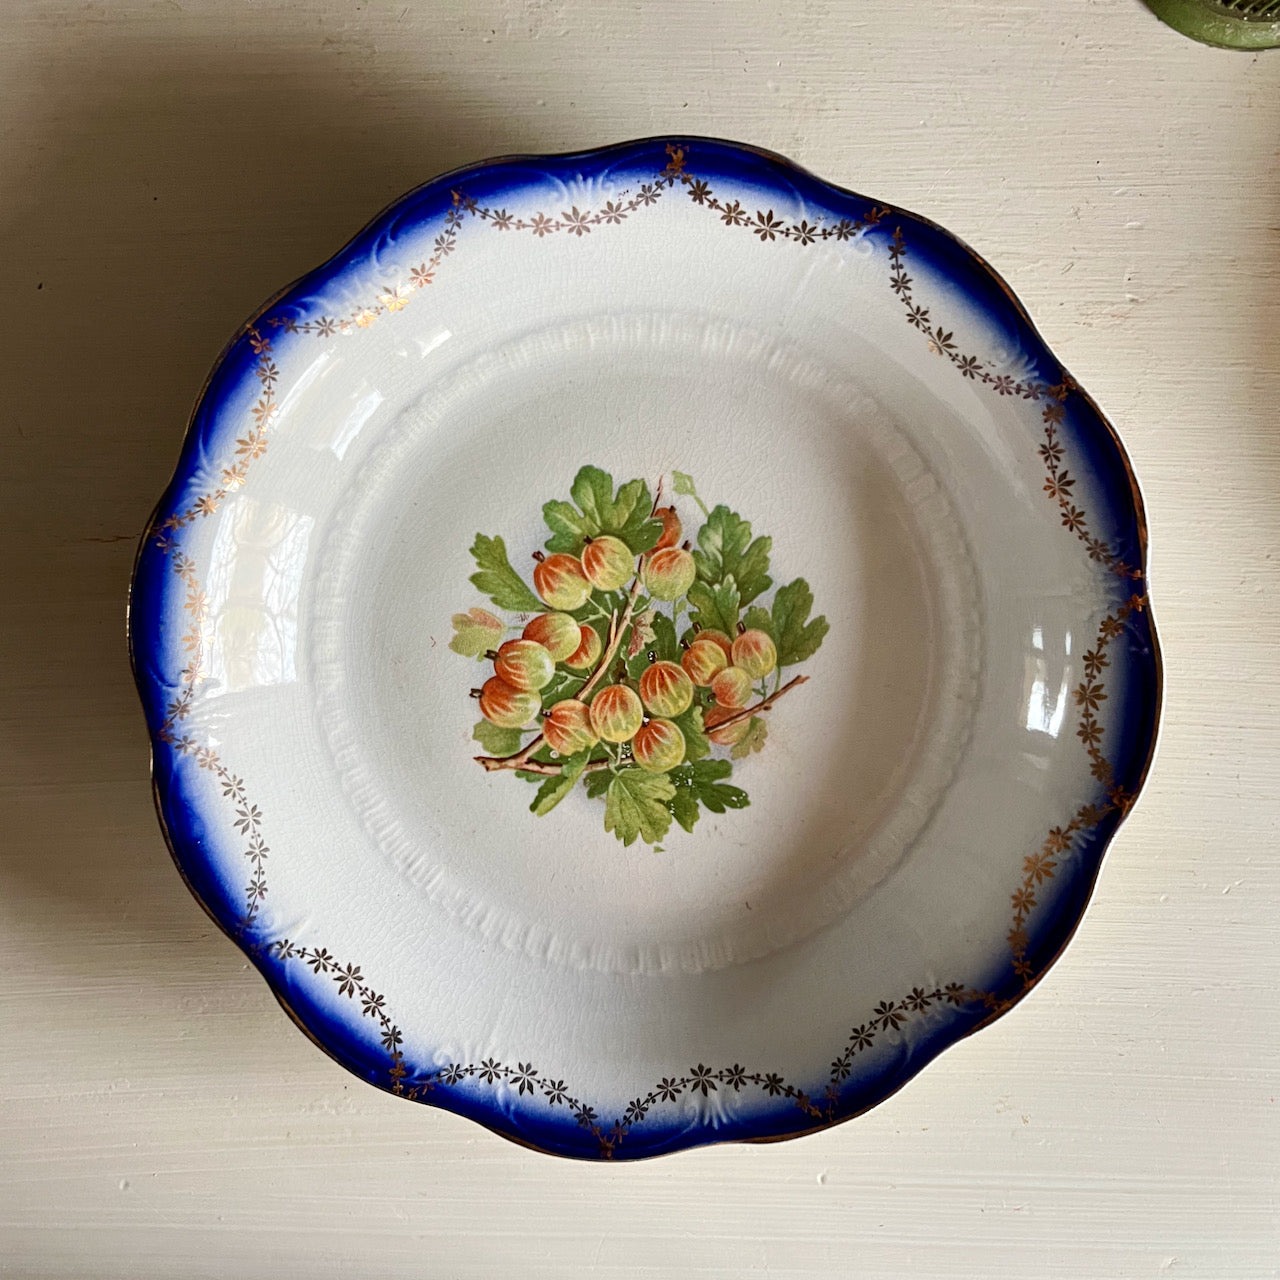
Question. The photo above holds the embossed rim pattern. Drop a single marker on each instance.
(1074, 429)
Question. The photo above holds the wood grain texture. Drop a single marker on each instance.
(165, 166)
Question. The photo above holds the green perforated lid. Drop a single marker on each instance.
(1230, 24)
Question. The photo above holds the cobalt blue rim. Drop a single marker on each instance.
(1131, 738)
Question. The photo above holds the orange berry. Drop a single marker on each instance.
(671, 527)
(524, 664)
(665, 689)
(608, 563)
(669, 573)
(729, 735)
(587, 654)
(567, 727)
(732, 687)
(717, 637)
(616, 713)
(505, 706)
(755, 653)
(557, 633)
(561, 582)
(703, 660)
(658, 746)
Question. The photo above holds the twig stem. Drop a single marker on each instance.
(763, 705)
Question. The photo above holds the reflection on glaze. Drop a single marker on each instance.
(1045, 711)
(367, 401)
(427, 344)
(299, 387)
(256, 568)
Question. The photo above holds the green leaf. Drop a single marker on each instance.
(563, 684)
(664, 646)
(640, 533)
(592, 490)
(685, 808)
(686, 488)
(555, 788)
(625, 514)
(600, 602)
(498, 580)
(476, 632)
(758, 619)
(569, 527)
(637, 804)
(752, 740)
(597, 783)
(796, 638)
(702, 783)
(496, 741)
(696, 742)
(725, 549)
(715, 607)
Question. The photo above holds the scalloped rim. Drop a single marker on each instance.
(1136, 726)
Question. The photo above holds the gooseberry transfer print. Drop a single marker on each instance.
(639, 662)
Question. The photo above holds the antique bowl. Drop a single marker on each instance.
(645, 648)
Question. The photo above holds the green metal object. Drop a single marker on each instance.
(1229, 24)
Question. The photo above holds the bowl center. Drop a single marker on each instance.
(855, 758)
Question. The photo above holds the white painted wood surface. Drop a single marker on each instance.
(165, 166)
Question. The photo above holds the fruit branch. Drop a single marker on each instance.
(518, 761)
(763, 705)
(547, 770)
(617, 629)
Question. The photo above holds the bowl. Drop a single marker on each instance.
(645, 647)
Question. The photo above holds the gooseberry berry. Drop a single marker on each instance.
(703, 660)
(755, 653)
(669, 573)
(665, 689)
(567, 727)
(587, 654)
(524, 664)
(717, 637)
(730, 734)
(731, 687)
(608, 563)
(671, 527)
(658, 746)
(557, 633)
(616, 713)
(560, 581)
(505, 706)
